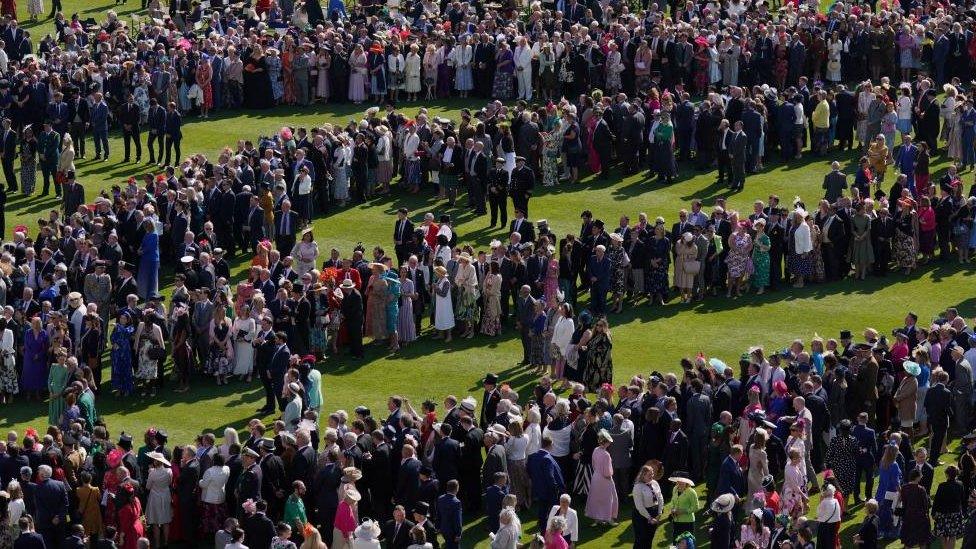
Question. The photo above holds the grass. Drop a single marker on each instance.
(646, 338)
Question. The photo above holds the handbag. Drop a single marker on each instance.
(156, 352)
(692, 267)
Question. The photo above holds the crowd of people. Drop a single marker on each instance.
(569, 89)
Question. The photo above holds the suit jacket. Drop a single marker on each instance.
(495, 462)
(408, 482)
(129, 115)
(99, 117)
(402, 232)
(524, 227)
(51, 501)
(447, 456)
(730, 478)
(397, 538)
(258, 530)
(174, 125)
(737, 146)
(293, 223)
(249, 484)
(938, 404)
(157, 120)
(303, 465)
(449, 516)
(546, 476)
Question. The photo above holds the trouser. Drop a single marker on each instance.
(154, 143)
(269, 396)
(968, 152)
(643, 530)
(217, 94)
(470, 490)
(201, 347)
(882, 257)
(53, 534)
(47, 172)
(542, 508)
(524, 78)
(738, 177)
(225, 236)
(131, 135)
(809, 463)
(508, 296)
(598, 296)
(831, 267)
(499, 208)
(696, 453)
(816, 454)
(355, 337)
(724, 167)
(753, 156)
(961, 407)
(55, 7)
(9, 174)
(172, 143)
(101, 141)
(865, 468)
(944, 233)
(77, 132)
(284, 243)
(939, 431)
(525, 333)
(518, 202)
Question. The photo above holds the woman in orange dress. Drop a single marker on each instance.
(204, 79)
(288, 75)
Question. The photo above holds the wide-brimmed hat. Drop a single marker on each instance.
(683, 480)
(347, 284)
(912, 368)
(717, 365)
(723, 503)
(469, 404)
(616, 237)
(353, 495)
(158, 457)
(465, 256)
(604, 436)
(440, 270)
(375, 265)
(498, 429)
(351, 474)
(74, 296)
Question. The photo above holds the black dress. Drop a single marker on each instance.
(257, 84)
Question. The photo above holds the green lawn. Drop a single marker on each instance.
(647, 338)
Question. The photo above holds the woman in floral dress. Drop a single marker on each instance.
(552, 143)
(204, 79)
(491, 292)
(618, 272)
(739, 260)
(273, 62)
(614, 68)
(376, 304)
(760, 257)
(8, 364)
(816, 237)
(905, 242)
(148, 335)
(220, 360)
(795, 486)
(287, 74)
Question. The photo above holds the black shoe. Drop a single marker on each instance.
(125, 159)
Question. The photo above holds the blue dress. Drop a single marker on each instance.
(392, 306)
(147, 279)
(122, 358)
(889, 480)
(35, 361)
(274, 74)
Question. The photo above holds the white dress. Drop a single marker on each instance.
(833, 61)
(8, 363)
(243, 351)
(412, 71)
(443, 306)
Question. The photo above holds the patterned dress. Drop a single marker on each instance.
(819, 274)
(274, 74)
(760, 262)
(122, 358)
(147, 366)
(8, 364)
(599, 362)
(552, 143)
(739, 262)
(904, 250)
(618, 275)
(218, 363)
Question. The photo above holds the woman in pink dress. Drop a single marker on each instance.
(592, 159)
(346, 519)
(204, 79)
(601, 501)
(357, 75)
(795, 485)
(552, 282)
(554, 533)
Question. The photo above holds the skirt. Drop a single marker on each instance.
(949, 525)
(581, 484)
(502, 88)
(519, 481)
(213, 516)
(801, 266)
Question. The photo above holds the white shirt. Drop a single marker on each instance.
(515, 447)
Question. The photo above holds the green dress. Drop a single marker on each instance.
(294, 511)
(862, 253)
(86, 401)
(760, 261)
(57, 378)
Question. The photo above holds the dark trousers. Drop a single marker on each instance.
(284, 243)
(47, 173)
(132, 136)
(525, 332)
(865, 468)
(9, 174)
(269, 395)
(418, 315)
(939, 431)
(77, 132)
(598, 298)
(738, 177)
(101, 141)
(696, 454)
(724, 167)
(171, 144)
(154, 143)
(882, 258)
(944, 234)
(354, 332)
(604, 154)
(508, 297)
(470, 493)
(234, 92)
(53, 534)
(831, 265)
(225, 235)
(499, 208)
(643, 530)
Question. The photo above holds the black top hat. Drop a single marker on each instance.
(125, 441)
(845, 334)
(491, 379)
(124, 265)
(421, 508)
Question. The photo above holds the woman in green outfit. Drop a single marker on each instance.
(294, 515)
(760, 257)
(57, 380)
(862, 253)
(684, 505)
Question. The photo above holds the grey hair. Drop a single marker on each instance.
(557, 524)
(44, 472)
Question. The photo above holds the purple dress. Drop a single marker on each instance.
(35, 361)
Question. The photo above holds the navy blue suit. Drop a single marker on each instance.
(493, 505)
(600, 271)
(547, 482)
(730, 479)
(174, 134)
(99, 125)
(51, 500)
(867, 443)
(157, 127)
(449, 519)
(279, 365)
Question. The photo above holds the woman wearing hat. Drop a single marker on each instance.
(686, 266)
(905, 242)
(754, 531)
(466, 281)
(57, 380)
(684, 505)
(159, 503)
(121, 338)
(905, 397)
(346, 520)
(601, 500)
(795, 484)
(618, 272)
(8, 364)
(443, 308)
(149, 336)
(376, 295)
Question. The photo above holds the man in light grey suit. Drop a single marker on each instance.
(203, 311)
(738, 146)
(526, 314)
(98, 290)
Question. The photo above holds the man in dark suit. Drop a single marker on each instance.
(675, 455)
(274, 477)
(174, 134)
(867, 456)
(286, 225)
(352, 311)
(129, 115)
(418, 275)
(547, 479)
(280, 361)
(471, 460)
(402, 236)
(834, 232)
(521, 185)
(738, 151)
(222, 216)
(157, 129)
(249, 483)
(9, 154)
(522, 226)
(938, 407)
(57, 114)
(449, 519)
(447, 454)
(421, 516)
(259, 530)
(187, 489)
(396, 531)
(407, 478)
(73, 195)
(834, 183)
(51, 507)
(536, 269)
(253, 222)
(525, 315)
(476, 169)
(303, 463)
(603, 139)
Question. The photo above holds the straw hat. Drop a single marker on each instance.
(440, 270)
(682, 480)
(351, 474)
(723, 503)
(158, 457)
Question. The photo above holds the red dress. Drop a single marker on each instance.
(130, 523)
